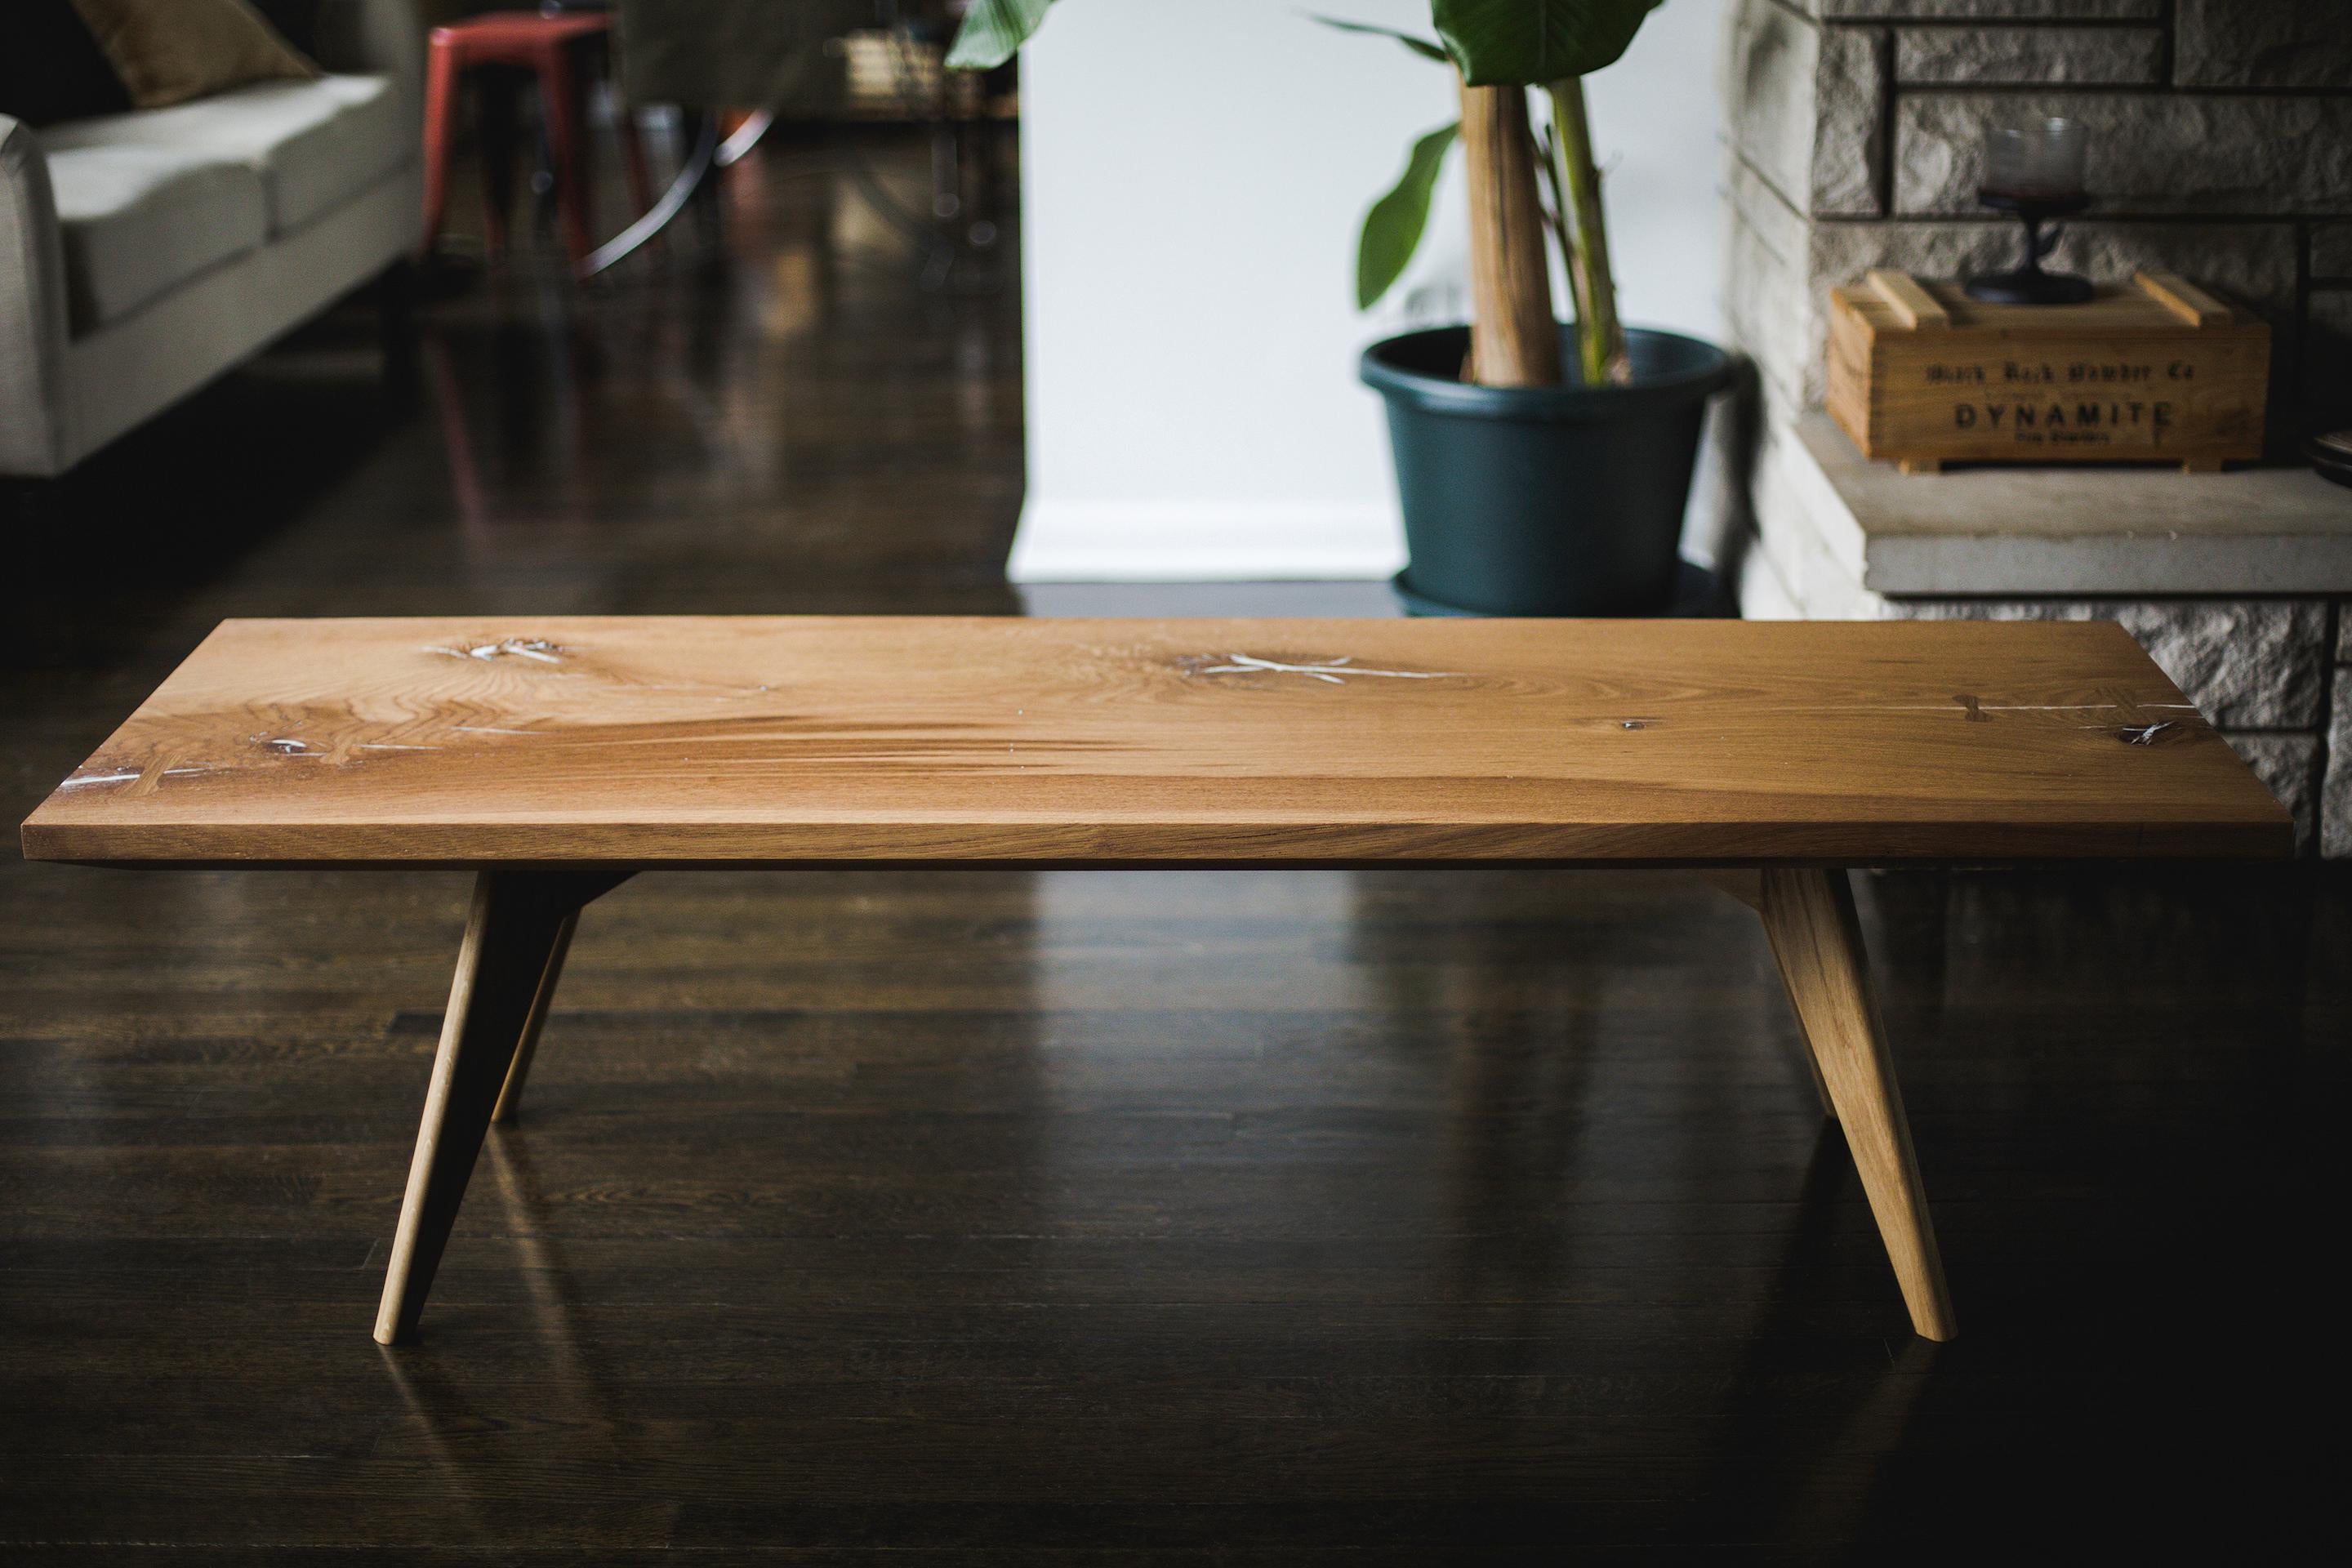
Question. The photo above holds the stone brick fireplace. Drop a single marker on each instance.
(2222, 149)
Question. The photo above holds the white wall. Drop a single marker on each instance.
(1194, 171)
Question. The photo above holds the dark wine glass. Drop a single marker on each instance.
(2034, 169)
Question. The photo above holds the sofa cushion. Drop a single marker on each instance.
(137, 221)
(170, 51)
(313, 144)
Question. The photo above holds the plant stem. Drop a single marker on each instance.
(1600, 338)
(1548, 161)
(1513, 340)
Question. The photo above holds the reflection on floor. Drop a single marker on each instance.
(1266, 1218)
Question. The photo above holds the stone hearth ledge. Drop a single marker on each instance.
(2092, 531)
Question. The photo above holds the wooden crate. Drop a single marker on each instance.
(2154, 370)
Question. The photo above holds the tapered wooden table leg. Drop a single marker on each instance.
(1810, 917)
(1748, 888)
(507, 961)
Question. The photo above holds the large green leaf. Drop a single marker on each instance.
(1527, 43)
(1422, 47)
(993, 32)
(1392, 228)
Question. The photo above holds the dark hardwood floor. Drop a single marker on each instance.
(1257, 1218)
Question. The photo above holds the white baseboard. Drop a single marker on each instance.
(1204, 541)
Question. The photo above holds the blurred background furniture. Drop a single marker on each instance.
(737, 54)
(142, 254)
(752, 63)
(558, 49)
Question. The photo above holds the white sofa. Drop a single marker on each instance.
(144, 254)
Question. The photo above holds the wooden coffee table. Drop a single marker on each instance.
(556, 756)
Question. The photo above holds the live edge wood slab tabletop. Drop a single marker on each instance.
(557, 755)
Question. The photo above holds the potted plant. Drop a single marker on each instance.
(1543, 469)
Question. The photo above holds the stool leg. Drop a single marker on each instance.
(518, 921)
(495, 90)
(440, 127)
(1810, 917)
(558, 98)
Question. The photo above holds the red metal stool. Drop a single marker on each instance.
(552, 49)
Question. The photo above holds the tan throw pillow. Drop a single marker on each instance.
(169, 51)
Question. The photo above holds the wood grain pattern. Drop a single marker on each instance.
(2182, 298)
(1387, 1218)
(509, 931)
(505, 973)
(1744, 886)
(812, 739)
(2158, 370)
(1915, 309)
(1810, 916)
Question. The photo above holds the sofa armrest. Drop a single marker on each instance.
(33, 411)
(369, 38)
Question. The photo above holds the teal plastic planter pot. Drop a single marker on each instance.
(1544, 500)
